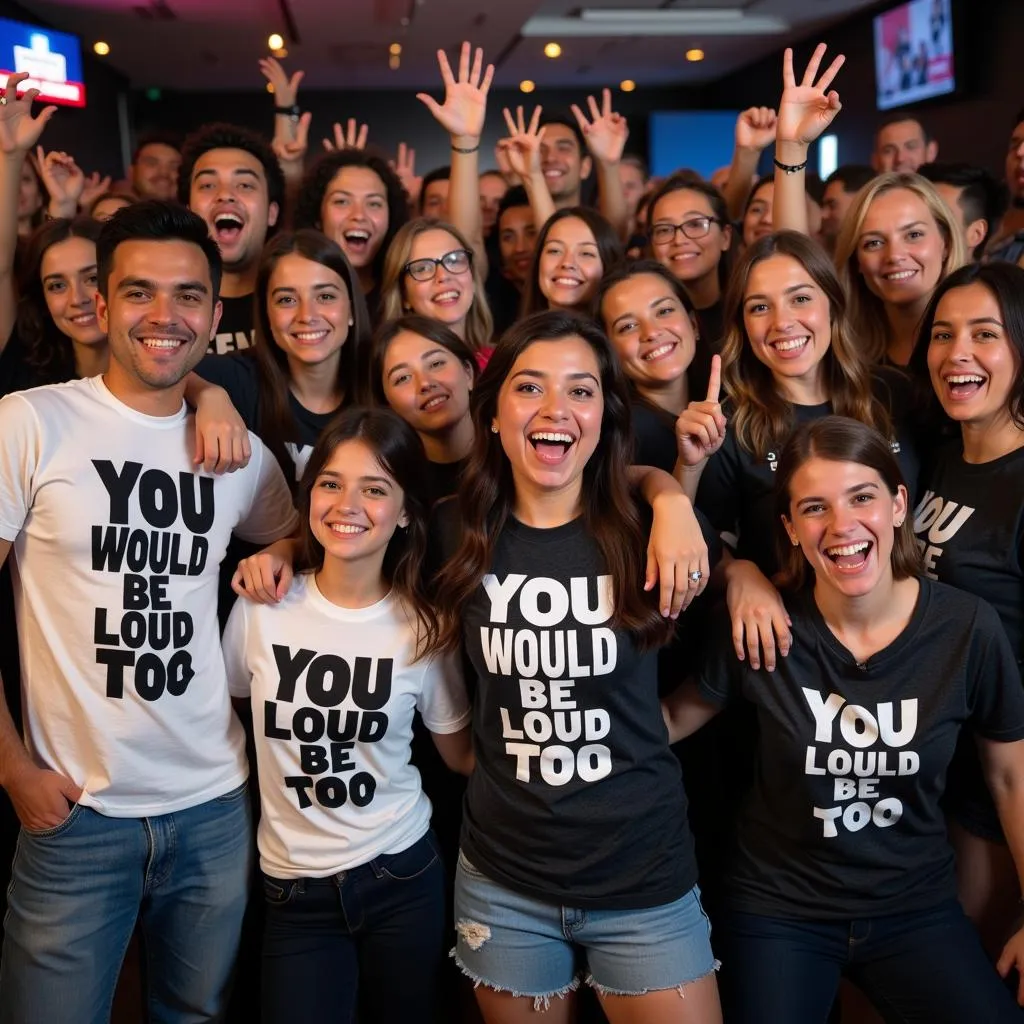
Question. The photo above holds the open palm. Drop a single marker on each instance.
(19, 130)
(522, 147)
(606, 132)
(465, 98)
(807, 109)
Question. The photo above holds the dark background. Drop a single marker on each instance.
(973, 126)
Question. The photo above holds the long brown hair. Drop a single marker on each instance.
(400, 453)
(276, 422)
(840, 439)
(762, 418)
(609, 512)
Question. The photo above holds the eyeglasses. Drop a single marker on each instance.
(458, 261)
(695, 227)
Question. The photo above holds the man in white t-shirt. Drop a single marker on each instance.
(131, 781)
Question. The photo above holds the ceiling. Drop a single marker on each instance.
(343, 44)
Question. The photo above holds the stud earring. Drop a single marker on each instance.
(494, 428)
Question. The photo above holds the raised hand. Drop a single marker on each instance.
(807, 109)
(755, 128)
(521, 150)
(606, 132)
(285, 88)
(404, 166)
(95, 186)
(354, 137)
(64, 180)
(291, 153)
(465, 98)
(19, 130)
(700, 428)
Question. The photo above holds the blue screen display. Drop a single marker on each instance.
(53, 61)
(701, 140)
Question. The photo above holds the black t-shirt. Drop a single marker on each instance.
(654, 437)
(576, 797)
(844, 819)
(236, 374)
(443, 479)
(711, 328)
(737, 489)
(236, 330)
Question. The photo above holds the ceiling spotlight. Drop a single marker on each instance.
(276, 41)
(395, 49)
(394, 61)
(694, 55)
(526, 85)
(628, 85)
(101, 48)
(552, 50)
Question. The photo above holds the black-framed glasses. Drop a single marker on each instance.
(694, 228)
(458, 261)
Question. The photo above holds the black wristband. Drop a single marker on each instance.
(462, 149)
(293, 111)
(790, 168)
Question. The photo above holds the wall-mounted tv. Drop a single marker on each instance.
(53, 61)
(914, 57)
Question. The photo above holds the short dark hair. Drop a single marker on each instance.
(515, 196)
(982, 196)
(853, 177)
(229, 136)
(634, 160)
(437, 174)
(898, 117)
(492, 174)
(1019, 119)
(815, 188)
(570, 123)
(155, 220)
(171, 139)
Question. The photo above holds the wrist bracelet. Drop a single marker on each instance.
(292, 113)
(463, 149)
(790, 168)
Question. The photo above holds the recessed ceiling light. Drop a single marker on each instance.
(101, 48)
(628, 85)
(694, 55)
(395, 49)
(526, 85)
(552, 50)
(276, 41)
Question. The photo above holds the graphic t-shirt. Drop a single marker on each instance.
(333, 695)
(236, 330)
(576, 797)
(737, 489)
(844, 819)
(117, 540)
(236, 374)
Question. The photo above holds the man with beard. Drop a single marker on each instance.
(130, 784)
(155, 164)
(231, 178)
(1009, 246)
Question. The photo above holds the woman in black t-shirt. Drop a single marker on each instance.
(425, 372)
(970, 525)
(843, 866)
(574, 835)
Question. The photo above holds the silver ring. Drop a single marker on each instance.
(696, 576)
(3, 101)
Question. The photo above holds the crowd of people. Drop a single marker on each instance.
(614, 582)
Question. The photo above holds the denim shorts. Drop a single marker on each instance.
(514, 943)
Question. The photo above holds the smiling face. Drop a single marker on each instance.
(971, 361)
(652, 333)
(902, 147)
(757, 221)
(787, 319)
(562, 164)
(569, 268)
(844, 519)
(159, 314)
(426, 384)
(68, 275)
(354, 212)
(434, 201)
(549, 414)
(155, 172)
(229, 191)
(900, 248)
(517, 239)
(689, 259)
(309, 310)
(355, 506)
(447, 295)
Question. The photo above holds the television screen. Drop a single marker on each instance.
(53, 61)
(914, 53)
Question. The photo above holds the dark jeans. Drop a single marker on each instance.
(926, 967)
(373, 936)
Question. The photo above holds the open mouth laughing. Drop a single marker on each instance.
(551, 446)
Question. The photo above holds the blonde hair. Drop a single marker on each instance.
(479, 322)
(867, 311)
(762, 418)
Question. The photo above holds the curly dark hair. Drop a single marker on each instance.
(229, 136)
(322, 173)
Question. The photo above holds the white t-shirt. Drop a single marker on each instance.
(333, 694)
(117, 543)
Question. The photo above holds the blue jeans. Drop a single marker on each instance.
(926, 967)
(78, 890)
(373, 935)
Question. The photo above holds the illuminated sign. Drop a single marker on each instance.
(52, 60)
